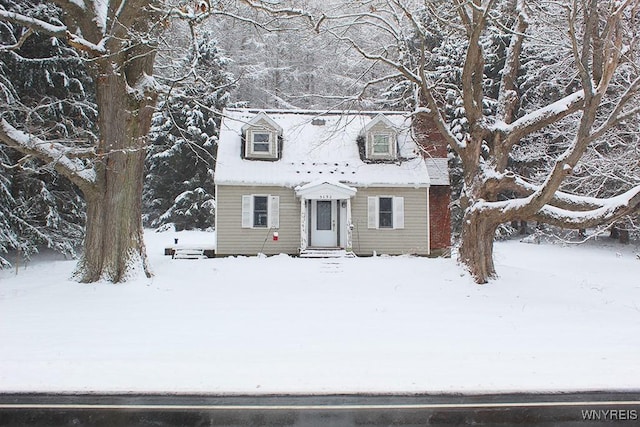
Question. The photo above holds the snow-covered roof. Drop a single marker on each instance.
(438, 169)
(320, 146)
(262, 116)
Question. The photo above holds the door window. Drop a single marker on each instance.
(323, 215)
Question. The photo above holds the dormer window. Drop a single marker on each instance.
(261, 138)
(381, 144)
(260, 142)
(380, 135)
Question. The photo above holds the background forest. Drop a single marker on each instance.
(242, 57)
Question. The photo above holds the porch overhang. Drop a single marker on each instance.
(325, 190)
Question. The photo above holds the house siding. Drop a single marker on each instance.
(232, 239)
(412, 239)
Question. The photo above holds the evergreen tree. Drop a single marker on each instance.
(42, 83)
(179, 185)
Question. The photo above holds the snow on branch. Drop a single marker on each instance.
(407, 73)
(541, 117)
(564, 209)
(287, 12)
(611, 210)
(60, 156)
(60, 31)
(36, 25)
(85, 45)
(567, 201)
(618, 114)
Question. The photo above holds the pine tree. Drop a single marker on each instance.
(179, 182)
(53, 95)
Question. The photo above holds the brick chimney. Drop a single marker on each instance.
(434, 145)
(428, 136)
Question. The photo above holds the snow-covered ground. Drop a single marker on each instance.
(559, 318)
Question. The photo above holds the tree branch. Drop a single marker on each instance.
(59, 31)
(615, 208)
(36, 25)
(57, 154)
(18, 44)
(288, 12)
(540, 118)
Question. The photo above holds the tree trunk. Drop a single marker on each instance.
(476, 251)
(114, 247)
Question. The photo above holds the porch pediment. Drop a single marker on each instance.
(325, 190)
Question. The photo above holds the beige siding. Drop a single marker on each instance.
(412, 239)
(232, 239)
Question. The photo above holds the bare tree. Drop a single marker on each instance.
(599, 39)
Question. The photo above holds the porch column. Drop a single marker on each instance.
(303, 224)
(349, 242)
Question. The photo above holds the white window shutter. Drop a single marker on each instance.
(372, 212)
(274, 211)
(246, 211)
(398, 212)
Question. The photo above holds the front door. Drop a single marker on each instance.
(324, 230)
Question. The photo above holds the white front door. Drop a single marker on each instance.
(324, 229)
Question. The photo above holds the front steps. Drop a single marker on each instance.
(326, 253)
(189, 254)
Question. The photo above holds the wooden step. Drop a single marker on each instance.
(189, 254)
(326, 253)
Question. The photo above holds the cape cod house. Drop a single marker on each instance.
(304, 182)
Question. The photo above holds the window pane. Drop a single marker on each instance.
(260, 212)
(260, 137)
(323, 215)
(386, 212)
(381, 144)
(261, 142)
(261, 148)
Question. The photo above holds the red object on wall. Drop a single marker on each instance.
(275, 236)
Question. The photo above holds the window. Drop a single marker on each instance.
(261, 142)
(381, 143)
(381, 139)
(323, 215)
(260, 211)
(261, 138)
(386, 212)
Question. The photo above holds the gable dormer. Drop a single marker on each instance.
(261, 135)
(380, 139)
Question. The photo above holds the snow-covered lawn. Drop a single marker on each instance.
(559, 318)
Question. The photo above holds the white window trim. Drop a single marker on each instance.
(273, 211)
(250, 152)
(373, 212)
(389, 143)
(391, 154)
